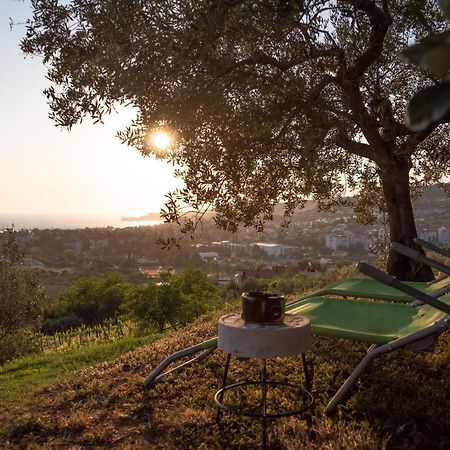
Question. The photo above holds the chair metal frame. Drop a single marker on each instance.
(417, 340)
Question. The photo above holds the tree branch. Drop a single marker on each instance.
(316, 90)
(354, 147)
(264, 59)
(365, 121)
(416, 138)
(380, 21)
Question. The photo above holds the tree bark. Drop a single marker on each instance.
(394, 175)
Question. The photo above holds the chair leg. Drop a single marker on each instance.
(224, 383)
(344, 390)
(374, 351)
(263, 378)
(308, 378)
(158, 374)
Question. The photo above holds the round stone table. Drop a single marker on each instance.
(253, 340)
(262, 341)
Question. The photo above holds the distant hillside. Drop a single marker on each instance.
(432, 199)
(145, 217)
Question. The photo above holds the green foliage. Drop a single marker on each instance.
(21, 301)
(254, 285)
(269, 101)
(155, 304)
(232, 290)
(22, 377)
(284, 285)
(177, 300)
(200, 294)
(83, 335)
(90, 301)
(432, 53)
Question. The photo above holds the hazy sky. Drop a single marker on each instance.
(44, 169)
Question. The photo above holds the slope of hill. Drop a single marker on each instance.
(402, 402)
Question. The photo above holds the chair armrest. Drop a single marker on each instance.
(432, 247)
(389, 280)
(415, 255)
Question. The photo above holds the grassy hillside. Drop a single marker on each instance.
(401, 403)
(22, 377)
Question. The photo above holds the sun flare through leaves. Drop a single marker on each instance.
(160, 141)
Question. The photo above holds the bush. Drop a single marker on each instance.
(21, 301)
(154, 305)
(90, 301)
(177, 300)
(254, 285)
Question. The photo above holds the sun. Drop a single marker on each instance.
(161, 140)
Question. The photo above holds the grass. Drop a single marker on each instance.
(84, 335)
(400, 403)
(20, 378)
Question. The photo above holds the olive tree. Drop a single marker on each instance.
(270, 101)
(21, 300)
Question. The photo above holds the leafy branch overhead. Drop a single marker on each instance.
(432, 53)
(271, 101)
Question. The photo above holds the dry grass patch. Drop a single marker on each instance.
(402, 402)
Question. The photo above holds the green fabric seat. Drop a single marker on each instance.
(387, 326)
(364, 320)
(369, 288)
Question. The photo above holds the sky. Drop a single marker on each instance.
(48, 170)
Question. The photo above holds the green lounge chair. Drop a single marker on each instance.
(386, 326)
(434, 248)
(415, 255)
(370, 288)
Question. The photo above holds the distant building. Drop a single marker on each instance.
(275, 249)
(147, 261)
(268, 273)
(98, 244)
(31, 263)
(363, 240)
(224, 280)
(443, 235)
(77, 246)
(340, 253)
(151, 273)
(427, 235)
(333, 241)
(208, 256)
(325, 260)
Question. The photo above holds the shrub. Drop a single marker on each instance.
(21, 301)
(90, 301)
(177, 300)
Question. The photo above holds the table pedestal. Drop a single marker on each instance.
(264, 342)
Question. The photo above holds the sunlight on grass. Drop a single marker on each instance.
(19, 379)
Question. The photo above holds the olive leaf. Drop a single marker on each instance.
(432, 53)
(445, 6)
(428, 106)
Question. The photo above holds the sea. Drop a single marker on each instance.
(68, 222)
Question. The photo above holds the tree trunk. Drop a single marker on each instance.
(394, 177)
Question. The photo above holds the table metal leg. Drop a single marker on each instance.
(264, 402)
(224, 382)
(308, 382)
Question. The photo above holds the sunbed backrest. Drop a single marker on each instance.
(419, 257)
(432, 247)
(389, 280)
